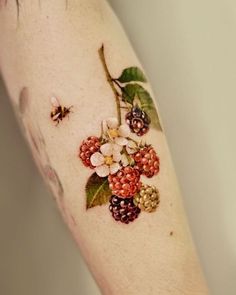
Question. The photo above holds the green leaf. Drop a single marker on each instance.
(129, 92)
(155, 122)
(97, 191)
(135, 91)
(132, 74)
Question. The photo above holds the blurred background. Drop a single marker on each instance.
(188, 50)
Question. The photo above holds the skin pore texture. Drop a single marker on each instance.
(56, 49)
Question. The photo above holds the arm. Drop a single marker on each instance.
(76, 55)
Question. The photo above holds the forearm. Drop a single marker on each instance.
(73, 53)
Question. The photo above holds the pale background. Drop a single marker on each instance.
(188, 49)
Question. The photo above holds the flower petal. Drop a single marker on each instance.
(121, 141)
(106, 149)
(131, 147)
(132, 144)
(116, 156)
(124, 130)
(97, 159)
(124, 160)
(116, 148)
(112, 122)
(102, 171)
(130, 151)
(114, 168)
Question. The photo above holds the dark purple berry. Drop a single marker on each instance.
(123, 210)
(138, 121)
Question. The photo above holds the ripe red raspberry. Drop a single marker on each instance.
(125, 183)
(123, 210)
(147, 161)
(88, 147)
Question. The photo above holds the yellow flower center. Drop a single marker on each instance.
(108, 160)
(113, 133)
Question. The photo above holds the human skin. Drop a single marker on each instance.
(52, 50)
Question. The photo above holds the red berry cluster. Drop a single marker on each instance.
(147, 161)
(88, 147)
(125, 183)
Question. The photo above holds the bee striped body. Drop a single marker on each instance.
(58, 112)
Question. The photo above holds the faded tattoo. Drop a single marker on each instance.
(38, 144)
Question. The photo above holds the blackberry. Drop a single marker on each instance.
(147, 161)
(123, 210)
(125, 183)
(138, 121)
(88, 147)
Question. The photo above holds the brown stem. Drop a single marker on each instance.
(110, 81)
(18, 9)
(115, 81)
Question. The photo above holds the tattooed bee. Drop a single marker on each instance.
(58, 111)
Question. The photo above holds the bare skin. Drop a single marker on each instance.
(54, 51)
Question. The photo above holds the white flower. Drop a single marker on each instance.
(107, 160)
(124, 160)
(131, 147)
(116, 133)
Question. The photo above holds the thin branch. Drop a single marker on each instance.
(18, 8)
(118, 84)
(110, 81)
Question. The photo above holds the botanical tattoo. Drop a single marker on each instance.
(118, 157)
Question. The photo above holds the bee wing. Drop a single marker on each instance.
(56, 116)
(55, 101)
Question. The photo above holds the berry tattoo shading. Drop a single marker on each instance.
(118, 158)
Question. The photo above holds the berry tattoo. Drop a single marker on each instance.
(147, 161)
(123, 210)
(118, 159)
(138, 121)
(125, 183)
(148, 198)
(88, 148)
